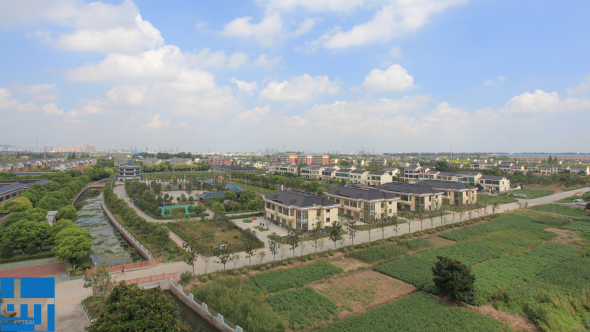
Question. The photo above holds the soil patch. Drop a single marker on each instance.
(439, 241)
(360, 291)
(348, 264)
(567, 237)
(515, 321)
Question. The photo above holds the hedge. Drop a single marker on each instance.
(25, 257)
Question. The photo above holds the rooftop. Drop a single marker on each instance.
(358, 193)
(410, 189)
(299, 199)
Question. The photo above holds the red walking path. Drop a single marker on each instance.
(36, 270)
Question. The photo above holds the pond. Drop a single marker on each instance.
(191, 318)
(110, 247)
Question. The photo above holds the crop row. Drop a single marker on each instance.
(378, 253)
(561, 209)
(415, 269)
(501, 223)
(296, 277)
(415, 244)
(302, 307)
(416, 312)
(510, 271)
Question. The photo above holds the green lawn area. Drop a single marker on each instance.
(495, 199)
(252, 187)
(530, 194)
(93, 305)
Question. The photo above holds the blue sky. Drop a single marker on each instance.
(318, 75)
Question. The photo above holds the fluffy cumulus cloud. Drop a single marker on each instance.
(583, 87)
(42, 92)
(266, 32)
(541, 102)
(497, 81)
(393, 19)
(99, 27)
(299, 89)
(12, 106)
(393, 79)
(157, 123)
(247, 88)
(249, 118)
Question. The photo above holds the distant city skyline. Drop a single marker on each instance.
(300, 75)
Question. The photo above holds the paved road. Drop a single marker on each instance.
(69, 294)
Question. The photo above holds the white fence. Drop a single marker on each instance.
(134, 241)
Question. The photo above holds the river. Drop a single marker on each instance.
(109, 246)
(191, 318)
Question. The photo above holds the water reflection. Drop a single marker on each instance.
(189, 317)
(110, 247)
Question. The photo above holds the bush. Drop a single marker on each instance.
(214, 276)
(247, 221)
(454, 279)
(345, 250)
(291, 261)
(326, 254)
(245, 270)
(236, 272)
(263, 269)
(204, 278)
(268, 266)
(24, 257)
(418, 234)
(331, 252)
(186, 277)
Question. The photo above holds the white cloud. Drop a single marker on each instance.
(314, 5)
(51, 109)
(10, 105)
(156, 123)
(249, 118)
(498, 81)
(395, 78)
(305, 26)
(248, 88)
(583, 87)
(299, 88)
(266, 32)
(541, 102)
(264, 61)
(101, 27)
(126, 94)
(395, 19)
(42, 92)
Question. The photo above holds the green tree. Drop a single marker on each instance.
(67, 212)
(249, 243)
(20, 204)
(442, 166)
(192, 248)
(351, 229)
(273, 244)
(73, 248)
(161, 236)
(129, 308)
(336, 232)
(49, 203)
(453, 279)
(293, 239)
(316, 237)
(100, 281)
(223, 257)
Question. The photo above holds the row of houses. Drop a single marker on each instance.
(295, 209)
(59, 164)
(321, 159)
(491, 183)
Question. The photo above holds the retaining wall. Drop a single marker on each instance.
(143, 250)
(79, 195)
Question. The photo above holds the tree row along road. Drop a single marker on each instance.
(71, 292)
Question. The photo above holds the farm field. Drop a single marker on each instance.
(494, 199)
(519, 260)
(361, 290)
(416, 312)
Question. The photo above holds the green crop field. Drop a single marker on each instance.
(503, 222)
(296, 277)
(513, 270)
(302, 307)
(560, 209)
(378, 253)
(415, 269)
(416, 312)
(415, 244)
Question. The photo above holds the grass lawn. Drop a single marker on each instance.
(93, 305)
(495, 199)
(530, 194)
(197, 230)
(252, 187)
(261, 229)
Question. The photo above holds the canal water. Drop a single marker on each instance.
(110, 247)
(189, 317)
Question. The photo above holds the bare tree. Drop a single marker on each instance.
(261, 255)
(235, 259)
(351, 229)
(283, 248)
(273, 245)
(207, 260)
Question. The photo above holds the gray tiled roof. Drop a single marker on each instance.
(405, 188)
(492, 177)
(358, 193)
(298, 198)
(12, 187)
(448, 185)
